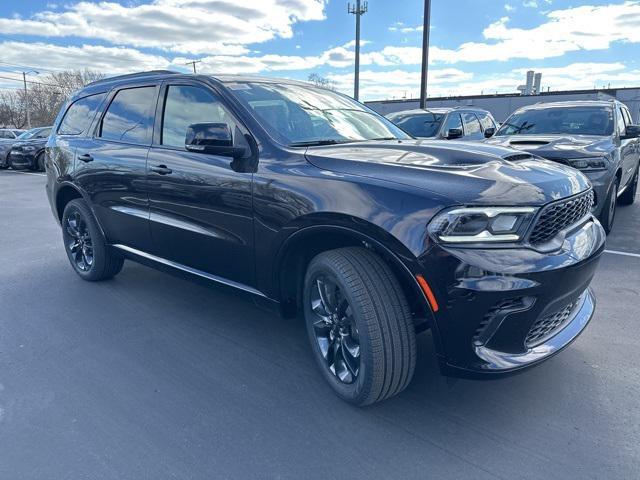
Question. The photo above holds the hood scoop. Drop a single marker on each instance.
(518, 156)
(529, 142)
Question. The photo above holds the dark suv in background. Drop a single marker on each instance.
(28, 150)
(596, 137)
(446, 123)
(313, 204)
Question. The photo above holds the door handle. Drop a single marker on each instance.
(85, 157)
(161, 170)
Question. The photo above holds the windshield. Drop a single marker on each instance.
(560, 120)
(297, 115)
(28, 134)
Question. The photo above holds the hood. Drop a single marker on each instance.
(557, 147)
(36, 142)
(462, 172)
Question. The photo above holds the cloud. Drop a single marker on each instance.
(530, 4)
(186, 26)
(508, 7)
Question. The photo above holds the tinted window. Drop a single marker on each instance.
(560, 120)
(419, 124)
(471, 123)
(80, 114)
(486, 121)
(188, 105)
(130, 116)
(303, 114)
(453, 122)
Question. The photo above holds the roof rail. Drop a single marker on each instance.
(132, 75)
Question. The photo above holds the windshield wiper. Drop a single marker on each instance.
(314, 143)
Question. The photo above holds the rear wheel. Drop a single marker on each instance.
(359, 325)
(629, 195)
(86, 248)
(608, 214)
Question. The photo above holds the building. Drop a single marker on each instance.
(503, 105)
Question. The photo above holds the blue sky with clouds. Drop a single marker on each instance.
(477, 46)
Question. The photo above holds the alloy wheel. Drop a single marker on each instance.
(79, 244)
(335, 329)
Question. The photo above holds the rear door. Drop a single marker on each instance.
(111, 166)
(472, 128)
(200, 204)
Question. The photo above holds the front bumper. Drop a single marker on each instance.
(22, 160)
(502, 310)
(601, 183)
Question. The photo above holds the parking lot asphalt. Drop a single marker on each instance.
(149, 376)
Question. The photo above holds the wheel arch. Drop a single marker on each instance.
(302, 246)
(64, 195)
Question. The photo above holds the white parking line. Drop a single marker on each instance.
(26, 173)
(626, 254)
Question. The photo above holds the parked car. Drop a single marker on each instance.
(28, 151)
(315, 205)
(7, 138)
(596, 137)
(446, 123)
(10, 133)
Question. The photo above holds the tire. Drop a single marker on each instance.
(608, 214)
(629, 195)
(39, 163)
(365, 346)
(86, 248)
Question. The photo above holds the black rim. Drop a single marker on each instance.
(80, 245)
(335, 329)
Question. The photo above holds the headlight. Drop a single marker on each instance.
(28, 148)
(481, 224)
(589, 163)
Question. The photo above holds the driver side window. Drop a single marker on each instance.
(622, 129)
(453, 121)
(186, 105)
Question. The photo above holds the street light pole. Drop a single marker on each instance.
(358, 10)
(425, 53)
(26, 99)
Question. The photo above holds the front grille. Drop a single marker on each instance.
(548, 326)
(560, 215)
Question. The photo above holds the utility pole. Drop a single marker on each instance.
(425, 53)
(194, 64)
(358, 10)
(26, 95)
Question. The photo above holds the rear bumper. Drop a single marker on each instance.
(503, 310)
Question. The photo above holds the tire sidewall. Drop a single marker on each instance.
(355, 392)
(608, 216)
(96, 238)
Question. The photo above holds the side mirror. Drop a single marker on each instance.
(633, 131)
(454, 133)
(212, 138)
(489, 132)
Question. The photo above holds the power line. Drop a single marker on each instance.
(30, 81)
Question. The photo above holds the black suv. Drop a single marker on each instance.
(596, 137)
(312, 203)
(446, 123)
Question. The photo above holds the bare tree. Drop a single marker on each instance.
(320, 81)
(47, 94)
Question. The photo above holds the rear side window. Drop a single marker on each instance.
(6, 134)
(186, 105)
(471, 123)
(129, 118)
(80, 114)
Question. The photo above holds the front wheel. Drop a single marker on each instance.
(86, 248)
(359, 325)
(629, 195)
(39, 163)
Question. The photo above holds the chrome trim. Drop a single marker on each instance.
(193, 271)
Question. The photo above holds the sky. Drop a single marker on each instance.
(476, 46)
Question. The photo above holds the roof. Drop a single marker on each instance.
(443, 110)
(570, 104)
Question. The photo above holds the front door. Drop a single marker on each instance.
(200, 206)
